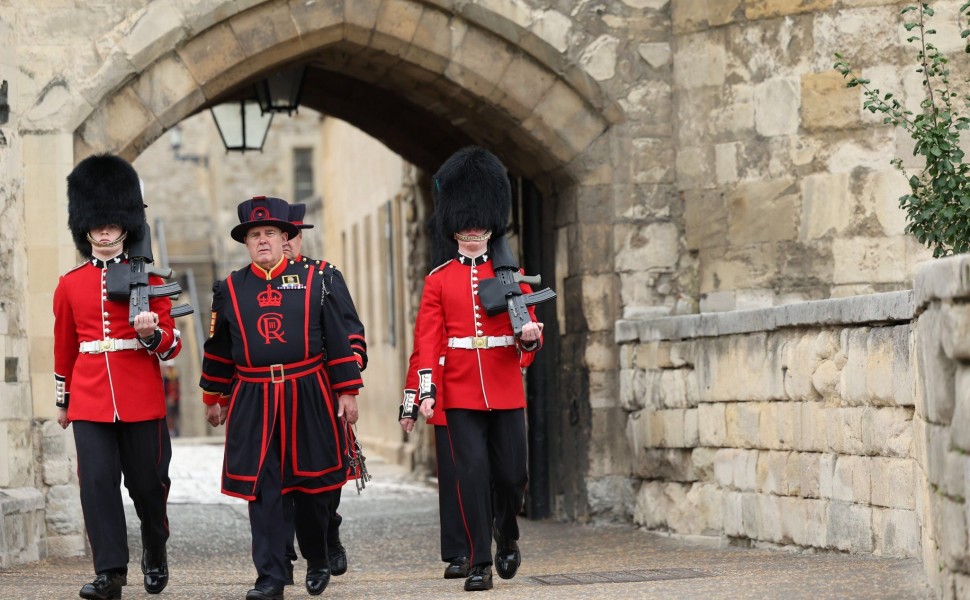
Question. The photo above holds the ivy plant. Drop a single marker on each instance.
(938, 203)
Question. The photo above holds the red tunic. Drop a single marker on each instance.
(476, 379)
(122, 385)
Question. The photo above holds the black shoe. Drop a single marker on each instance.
(155, 567)
(289, 572)
(338, 559)
(106, 586)
(317, 577)
(265, 591)
(458, 568)
(479, 579)
(507, 556)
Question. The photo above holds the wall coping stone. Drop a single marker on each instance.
(887, 307)
(943, 279)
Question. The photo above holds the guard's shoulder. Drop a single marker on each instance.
(74, 268)
(441, 266)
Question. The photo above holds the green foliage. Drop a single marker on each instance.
(938, 204)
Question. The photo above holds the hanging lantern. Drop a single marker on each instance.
(242, 125)
(280, 92)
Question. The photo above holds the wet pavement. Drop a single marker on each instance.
(391, 534)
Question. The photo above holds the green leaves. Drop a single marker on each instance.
(938, 205)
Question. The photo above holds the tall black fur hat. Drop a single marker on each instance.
(471, 190)
(443, 248)
(104, 189)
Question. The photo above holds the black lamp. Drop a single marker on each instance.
(280, 92)
(242, 125)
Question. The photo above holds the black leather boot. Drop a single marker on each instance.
(458, 568)
(479, 580)
(338, 559)
(507, 556)
(154, 564)
(317, 576)
(106, 586)
(265, 591)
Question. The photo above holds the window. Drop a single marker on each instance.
(302, 173)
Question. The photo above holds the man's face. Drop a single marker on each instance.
(103, 235)
(292, 247)
(265, 245)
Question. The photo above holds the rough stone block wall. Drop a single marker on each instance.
(942, 422)
(779, 427)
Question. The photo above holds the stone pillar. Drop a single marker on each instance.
(47, 160)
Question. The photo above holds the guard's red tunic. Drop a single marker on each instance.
(278, 355)
(123, 385)
(476, 379)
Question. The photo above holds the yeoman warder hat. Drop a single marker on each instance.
(261, 211)
(297, 214)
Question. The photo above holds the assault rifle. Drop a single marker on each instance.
(128, 282)
(502, 292)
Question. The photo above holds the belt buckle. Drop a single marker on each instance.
(272, 373)
(107, 345)
(479, 342)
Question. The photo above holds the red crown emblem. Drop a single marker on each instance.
(269, 298)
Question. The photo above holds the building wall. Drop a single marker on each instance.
(368, 192)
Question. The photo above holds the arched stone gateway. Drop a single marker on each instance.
(423, 77)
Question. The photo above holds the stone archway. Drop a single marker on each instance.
(499, 76)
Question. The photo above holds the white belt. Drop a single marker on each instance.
(480, 343)
(108, 345)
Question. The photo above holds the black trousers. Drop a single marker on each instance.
(293, 519)
(490, 459)
(141, 451)
(272, 526)
(454, 537)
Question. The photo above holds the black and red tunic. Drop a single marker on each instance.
(336, 289)
(278, 354)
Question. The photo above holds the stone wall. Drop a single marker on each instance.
(941, 425)
(835, 425)
(789, 426)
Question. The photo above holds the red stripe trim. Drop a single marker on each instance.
(328, 399)
(340, 361)
(218, 359)
(265, 369)
(306, 312)
(461, 507)
(346, 384)
(355, 336)
(242, 328)
(249, 497)
(217, 379)
(273, 375)
(320, 490)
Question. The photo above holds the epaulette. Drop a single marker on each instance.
(439, 267)
(75, 267)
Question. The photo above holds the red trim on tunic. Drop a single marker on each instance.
(224, 361)
(306, 313)
(242, 329)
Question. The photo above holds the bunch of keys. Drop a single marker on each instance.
(358, 462)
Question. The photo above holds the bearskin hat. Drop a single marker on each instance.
(471, 190)
(443, 248)
(104, 189)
